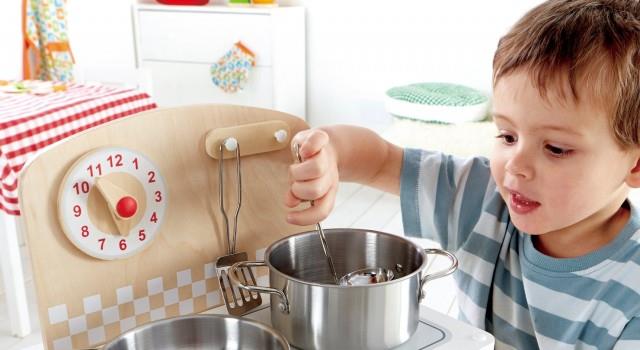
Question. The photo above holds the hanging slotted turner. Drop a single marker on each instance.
(238, 301)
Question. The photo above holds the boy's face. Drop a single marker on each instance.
(555, 161)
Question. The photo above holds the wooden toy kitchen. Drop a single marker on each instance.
(126, 224)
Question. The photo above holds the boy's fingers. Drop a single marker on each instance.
(316, 213)
(311, 189)
(310, 169)
(315, 142)
(310, 141)
(290, 200)
(308, 181)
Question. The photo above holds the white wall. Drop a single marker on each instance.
(356, 49)
(100, 32)
(10, 39)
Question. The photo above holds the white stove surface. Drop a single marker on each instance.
(435, 331)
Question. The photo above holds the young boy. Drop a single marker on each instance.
(547, 241)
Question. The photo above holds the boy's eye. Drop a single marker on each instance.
(557, 151)
(507, 139)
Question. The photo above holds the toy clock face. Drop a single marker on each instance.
(111, 203)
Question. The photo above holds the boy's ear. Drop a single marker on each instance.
(633, 178)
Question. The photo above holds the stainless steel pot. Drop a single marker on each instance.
(200, 332)
(314, 313)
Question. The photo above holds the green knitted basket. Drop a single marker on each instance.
(439, 102)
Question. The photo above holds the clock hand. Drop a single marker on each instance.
(122, 206)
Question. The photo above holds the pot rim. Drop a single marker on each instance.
(279, 337)
(282, 241)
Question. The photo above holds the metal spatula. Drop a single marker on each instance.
(238, 301)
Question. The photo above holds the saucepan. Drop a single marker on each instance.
(312, 312)
(200, 332)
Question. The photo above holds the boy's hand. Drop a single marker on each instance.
(315, 179)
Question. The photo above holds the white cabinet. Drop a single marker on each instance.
(177, 44)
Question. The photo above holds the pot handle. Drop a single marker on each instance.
(442, 273)
(233, 277)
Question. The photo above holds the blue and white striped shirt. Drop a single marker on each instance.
(526, 299)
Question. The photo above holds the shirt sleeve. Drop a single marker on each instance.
(630, 337)
(442, 196)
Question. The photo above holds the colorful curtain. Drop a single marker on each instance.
(46, 51)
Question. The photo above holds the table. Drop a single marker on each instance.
(31, 119)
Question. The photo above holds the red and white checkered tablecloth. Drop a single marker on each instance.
(30, 122)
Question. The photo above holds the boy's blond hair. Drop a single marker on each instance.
(591, 44)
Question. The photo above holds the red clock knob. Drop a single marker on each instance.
(127, 207)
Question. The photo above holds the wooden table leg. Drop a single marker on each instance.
(13, 277)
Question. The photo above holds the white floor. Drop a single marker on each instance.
(356, 206)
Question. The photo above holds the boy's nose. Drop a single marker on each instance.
(519, 165)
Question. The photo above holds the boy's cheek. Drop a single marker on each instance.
(495, 166)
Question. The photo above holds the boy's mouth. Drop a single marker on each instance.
(521, 204)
